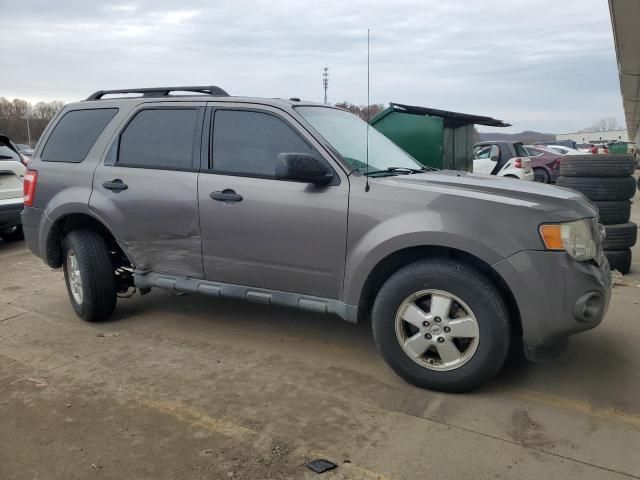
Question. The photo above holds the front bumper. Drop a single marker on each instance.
(556, 295)
(10, 212)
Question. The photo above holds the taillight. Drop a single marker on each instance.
(29, 187)
(518, 163)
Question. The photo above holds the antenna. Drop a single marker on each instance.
(325, 82)
(367, 187)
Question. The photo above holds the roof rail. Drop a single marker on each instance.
(162, 91)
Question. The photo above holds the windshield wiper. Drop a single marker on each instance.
(405, 170)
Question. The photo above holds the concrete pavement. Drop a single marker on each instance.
(201, 388)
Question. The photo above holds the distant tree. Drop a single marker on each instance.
(361, 110)
(22, 121)
(603, 125)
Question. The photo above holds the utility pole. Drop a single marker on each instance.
(325, 82)
(26, 117)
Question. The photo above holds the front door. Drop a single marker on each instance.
(262, 232)
(146, 188)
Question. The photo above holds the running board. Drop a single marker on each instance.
(144, 280)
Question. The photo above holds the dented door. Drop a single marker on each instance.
(146, 188)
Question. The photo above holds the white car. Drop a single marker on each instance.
(485, 158)
(562, 150)
(12, 171)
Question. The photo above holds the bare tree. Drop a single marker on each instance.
(603, 125)
(361, 110)
(21, 120)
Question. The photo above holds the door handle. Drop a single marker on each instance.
(115, 185)
(226, 195)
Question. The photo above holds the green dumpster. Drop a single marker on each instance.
(618, 147)
(435, 138)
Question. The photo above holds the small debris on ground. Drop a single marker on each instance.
(618, 279)
(96, 467)
(112, 334)
(321, 465)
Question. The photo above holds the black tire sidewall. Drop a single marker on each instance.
(473, 289)
(12, 234)
(543, 174)
(98, 282)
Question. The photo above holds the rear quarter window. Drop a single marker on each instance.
(75, 133)
(520, 150)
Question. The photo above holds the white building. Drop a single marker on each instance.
(595, 137)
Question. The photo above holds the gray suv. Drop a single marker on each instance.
(278, 202)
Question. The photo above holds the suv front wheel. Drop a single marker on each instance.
(89, 275)
(441, 325)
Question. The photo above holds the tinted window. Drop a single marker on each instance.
(520, 150)
(248, 143)
(162, 138)
(7, 153)
(75, 134)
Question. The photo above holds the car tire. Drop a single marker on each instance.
(540, 175)
(611, 165)
(619, 260)
(620, 236)
(601, 189)
(479, 299)
(611, 213)
(89, 275)
(12, 234)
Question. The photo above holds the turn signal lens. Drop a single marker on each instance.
(552, 236)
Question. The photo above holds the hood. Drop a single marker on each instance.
(564, 202)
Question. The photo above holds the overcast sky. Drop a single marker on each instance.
(546, 65)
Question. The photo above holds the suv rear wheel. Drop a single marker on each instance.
(441, 325)
(89, 275)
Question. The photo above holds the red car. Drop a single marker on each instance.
(545, 163)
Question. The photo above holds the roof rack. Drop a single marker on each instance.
(162, 91)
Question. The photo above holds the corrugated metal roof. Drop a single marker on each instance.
(434, 112)
(625, 18)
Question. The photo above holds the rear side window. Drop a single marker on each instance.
(520, 150)
(75, 134)
(7, 153)
(159, 138)
(248, 143)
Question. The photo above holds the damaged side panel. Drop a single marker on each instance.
(155, 219)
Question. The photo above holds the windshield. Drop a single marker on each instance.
(348, 135)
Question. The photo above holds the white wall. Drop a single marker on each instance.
(595, 137)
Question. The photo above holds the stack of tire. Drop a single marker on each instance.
(607, 181)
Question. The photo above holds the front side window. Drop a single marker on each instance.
(161, 138)
(347, 134)
(249, 143)
(75, 134)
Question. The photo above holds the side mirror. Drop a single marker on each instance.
(303, 167)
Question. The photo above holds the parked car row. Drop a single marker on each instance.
(516, 160)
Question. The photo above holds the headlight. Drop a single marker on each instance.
(576, 238)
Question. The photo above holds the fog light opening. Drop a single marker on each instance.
(589, 307)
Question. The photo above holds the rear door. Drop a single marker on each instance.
(278, 234)
(146, 187)
(485, 158)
